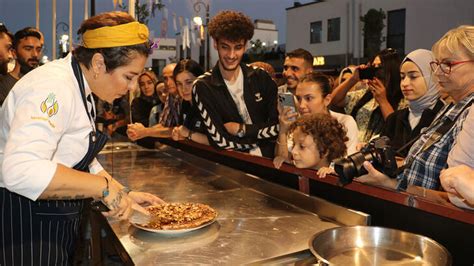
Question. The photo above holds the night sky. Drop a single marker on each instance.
(17, 14)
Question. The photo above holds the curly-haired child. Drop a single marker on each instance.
(317, 140)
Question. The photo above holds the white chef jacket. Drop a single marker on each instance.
(43, 122)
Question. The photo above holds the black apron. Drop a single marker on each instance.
(44, 232)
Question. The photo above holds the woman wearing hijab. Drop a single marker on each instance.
(345, 74)
(422, 93)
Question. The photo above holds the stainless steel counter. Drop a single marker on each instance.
(257, 220)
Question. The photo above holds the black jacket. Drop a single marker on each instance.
(216, 106)
(397, 126)
(141, 107)
(190, 118)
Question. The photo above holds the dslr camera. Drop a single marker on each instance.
(378, 152)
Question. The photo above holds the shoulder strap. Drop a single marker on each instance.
(78, 74)
(436, 136)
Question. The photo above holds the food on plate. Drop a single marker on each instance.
(175, 216)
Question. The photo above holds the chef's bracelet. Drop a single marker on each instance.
(105, 192)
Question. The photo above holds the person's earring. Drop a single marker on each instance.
(96, 75)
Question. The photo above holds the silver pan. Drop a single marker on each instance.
(368, 245)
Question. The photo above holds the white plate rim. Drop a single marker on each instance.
(174, 231)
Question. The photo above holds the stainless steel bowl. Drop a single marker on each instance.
(368, 245)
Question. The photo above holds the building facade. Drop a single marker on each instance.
(163, 54)
(332, 30)
(266, 32)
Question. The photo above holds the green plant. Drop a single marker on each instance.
(142, 11)
(256, 51)
(373, 26)
(256, 46)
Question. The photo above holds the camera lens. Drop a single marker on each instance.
(344, 167)
(352, 166)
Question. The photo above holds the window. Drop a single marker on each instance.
(167, 47)
(334, 29)
(316, 29)
(396, 30)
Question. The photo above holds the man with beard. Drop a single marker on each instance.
(5, 49)
(297, 64)
(238, 103)
(27, 50)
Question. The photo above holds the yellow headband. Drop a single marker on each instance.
(114, 36)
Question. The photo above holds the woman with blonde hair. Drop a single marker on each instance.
(142, 105)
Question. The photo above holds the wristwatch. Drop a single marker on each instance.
(190, 135)
(241, 131)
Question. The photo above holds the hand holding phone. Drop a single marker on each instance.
(287, 99)
(288, 110)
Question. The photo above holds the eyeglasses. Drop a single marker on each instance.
(446, 66)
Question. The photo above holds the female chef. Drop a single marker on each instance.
(48, 143)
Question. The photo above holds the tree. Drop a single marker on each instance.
(373, 26)
(256, 51)
(256, 46)
(142, 11)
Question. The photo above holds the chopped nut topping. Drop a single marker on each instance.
(172, 216)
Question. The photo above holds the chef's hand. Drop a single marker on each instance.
(144, 198)
(118, 201)
(375, 177)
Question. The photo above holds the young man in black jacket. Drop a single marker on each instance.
(238, 103)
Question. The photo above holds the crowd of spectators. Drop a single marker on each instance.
(421, 103)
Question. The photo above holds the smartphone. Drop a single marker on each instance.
(287, 99)
(99, 205)
(367, 73)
